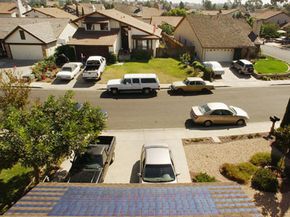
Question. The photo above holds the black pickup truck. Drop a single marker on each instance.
(92, 165)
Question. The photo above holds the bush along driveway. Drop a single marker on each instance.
(167, 69)
(270, 66)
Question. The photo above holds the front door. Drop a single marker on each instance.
(124, 38)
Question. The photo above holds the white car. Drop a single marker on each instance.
(69, 70)
(215, 66)
(95, 66)
(156, 164)
(146, 83)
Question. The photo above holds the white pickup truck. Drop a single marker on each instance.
(95, 65)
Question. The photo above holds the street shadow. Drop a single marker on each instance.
(60, 82)
(192, 93)
(268, 202)
(239, 75)
(134, 172)
(9, 63)
(190, 125)
(81, 83)
(107, 95)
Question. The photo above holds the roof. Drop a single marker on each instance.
(172, 20)
(287, 25)
(96, 38)
(7, 7)
(266, 14)
(91, 199)
(217, 105)
(147, 12)
(95, 58)
(53, 12)
(220, 31)
(247, 62)
(88, 7)
(216, 12)
(57, 25)
(129, 20)
(126, 8)
(140, 75)
(157, 155)
(194, 79)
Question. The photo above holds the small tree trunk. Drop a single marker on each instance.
(286, 118)
(36, 172)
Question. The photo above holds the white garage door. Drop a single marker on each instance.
(26, 52)
(221, 55)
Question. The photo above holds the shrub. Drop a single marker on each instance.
(208, 74)
(67, 51)
(240, 173)
(112, 58)
(141, 55)
(265, 180)
(198, 65)
(185, 58)
(42, 68)
(204, 177)
(261, 159)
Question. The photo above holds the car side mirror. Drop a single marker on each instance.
(139, 174)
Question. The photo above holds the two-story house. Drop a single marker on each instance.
(105, 31)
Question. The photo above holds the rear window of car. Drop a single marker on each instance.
(148, 80)
(249, 66)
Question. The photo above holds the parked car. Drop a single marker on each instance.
(215, 66)
(146, 83)
(218, 113)
(94, 67)
(156, 164)
(69, 70)
(92, 165)
(192, 84)
(243, 66)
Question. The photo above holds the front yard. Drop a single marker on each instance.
(167, 70)
(271, 66)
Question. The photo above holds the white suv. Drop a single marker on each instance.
(156, 165)
(145, 83)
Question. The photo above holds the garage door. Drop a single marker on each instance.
(221, 55)
(26, 52)
(91, 51)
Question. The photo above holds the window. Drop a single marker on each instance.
(89, 26)
(217, 112)
(104, 26)
(226, 112)
(143, 44)
(148, 80)
(127, 81)
(199, 83)
(136, 81)
(22, 35)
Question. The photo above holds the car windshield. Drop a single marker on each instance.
(233, 110)
(158, 173)
(66, 69)
(204, 108)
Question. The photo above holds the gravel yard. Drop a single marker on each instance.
(208, 157)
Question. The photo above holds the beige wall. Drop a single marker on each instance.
(185, 34)
(68, 31)
(15, 38)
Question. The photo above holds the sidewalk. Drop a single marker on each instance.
(129, 144)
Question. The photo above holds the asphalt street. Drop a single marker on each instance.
(279, 53)
(136, 111)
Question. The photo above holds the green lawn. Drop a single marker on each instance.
(167, 70)
(270, 66)
(13, 183)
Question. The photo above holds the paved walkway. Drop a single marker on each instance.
(129, 144)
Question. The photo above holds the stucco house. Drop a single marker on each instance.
(271, 16)
(34, 38)
(49, 13)
(8, 9)
(218, 38)
(110, 30)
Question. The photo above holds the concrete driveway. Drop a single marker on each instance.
(128, 151)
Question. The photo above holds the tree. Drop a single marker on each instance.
(251, 5)
(83, 12)
(269, 30)
(175, 12)
(15, 91)
(225, 6)
(77, 10)
(207, 4)
(167, 28)
(286, 118)
(236, 3)
(181, 5)
(47, 132)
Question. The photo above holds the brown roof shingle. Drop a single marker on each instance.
(220, 31)
(88, 7)
(53, 12)
(172, 20)
(265, 14)
(7, 7)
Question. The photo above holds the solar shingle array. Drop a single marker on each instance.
(62, 199)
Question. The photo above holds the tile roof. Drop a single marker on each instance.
(265, 14)
(147, 12)
(88, 7)
(83, 37)
(215, 12)
(220, 31)
(56, 24)
(7, 7)
(125, 8)
(172, 20)
(53, 12)
(79, 199)
(129, 20)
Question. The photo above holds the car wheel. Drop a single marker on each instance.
(241, 122)
(205, 90)
(207, 123)
(146, 91)
(114, 91)
(179, 90)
